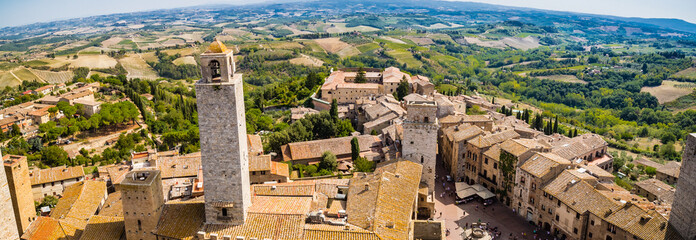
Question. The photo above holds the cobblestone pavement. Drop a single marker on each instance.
(457, 216)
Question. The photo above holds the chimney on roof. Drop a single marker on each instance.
(226, 237)
(367, 186)
(200, 234)
(213, 236)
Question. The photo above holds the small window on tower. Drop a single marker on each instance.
(224, 212)
(214, 69)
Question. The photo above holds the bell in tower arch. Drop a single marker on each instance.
(214, 66)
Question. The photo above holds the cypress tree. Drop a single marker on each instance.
(555, 125)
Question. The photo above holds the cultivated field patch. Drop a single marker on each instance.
(53, 77)
(307, 61)
(668, 91)
(137, 67)
(335, 45)
(687, 73)
(8, 80)
(563, 78)
(185, 60)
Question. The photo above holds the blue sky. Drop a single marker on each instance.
(20, 12)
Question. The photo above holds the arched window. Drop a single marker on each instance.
(140, 226)
(214, 69)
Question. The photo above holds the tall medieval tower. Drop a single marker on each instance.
(420, 138)
(17, 171)
(143, 201)
(683, 216)
(222, 126)
(8, 225)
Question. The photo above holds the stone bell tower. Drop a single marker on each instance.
(420, 138)
(222, 126)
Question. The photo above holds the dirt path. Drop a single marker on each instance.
(98, 143)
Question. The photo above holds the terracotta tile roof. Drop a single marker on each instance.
(383, 119)
(476, 118)
(338, 146)
(671, 168)
(79, 202)
(44, 228)
(559, 184)
(44, 88)
(582, 197)
(647, 162)
(179, 166)
(493, 152)
(40, 176)
(113, 206)
(541, 163)
(514, 147)
(255, 144)
(462, 132)
(490, 140)
(280, 205)
(306, 189)
(336, 77)
(383, 201)
(663, 191)
(280, 169)
(338, 232)
(262, 226)
(450, 119)
(260, 163)
(578, 146)
(598, 172)
(336, 206)
(393, 74)
(75, 95)
(181, 220)
(117, 173)
(104, 228)
(638, 222)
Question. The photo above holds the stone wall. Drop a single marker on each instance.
(683, 216)
(224, 151)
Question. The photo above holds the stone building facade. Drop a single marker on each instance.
(142, 203)
(683, 217)
(52, 181)
(224, 153)
(420, 138)
(17, 171)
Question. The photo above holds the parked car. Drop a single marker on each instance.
(488, 201)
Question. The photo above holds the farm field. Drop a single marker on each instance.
(669, 90)
(335, 45)
(341, 27)
(26, 75)
(185, 60)
(687, 73)
(307, 61)
(53, 77)
(8, 80)
(137, 67)
(563, 78)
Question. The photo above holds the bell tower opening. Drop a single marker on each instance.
(214, 66)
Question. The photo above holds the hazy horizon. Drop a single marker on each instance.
(18, 13)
